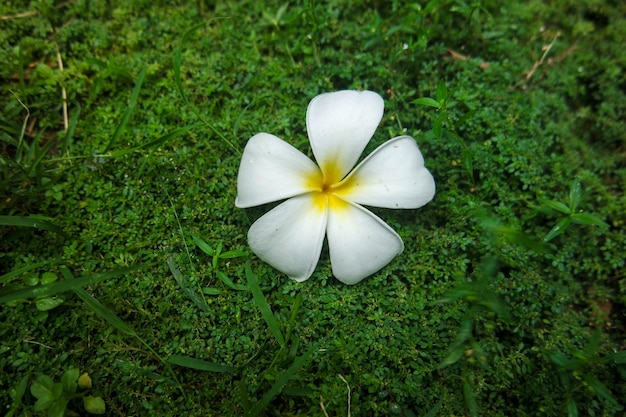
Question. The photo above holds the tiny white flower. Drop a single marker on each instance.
(326, 199)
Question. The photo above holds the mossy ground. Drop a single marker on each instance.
(478, 316)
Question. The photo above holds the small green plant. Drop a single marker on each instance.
(443, 124)
(482, 302)
(286, 354)
(217, 255)
(24, 157)
(569, 212)
(56, 396)
(43, 303)
(575, 370)
(17, 395)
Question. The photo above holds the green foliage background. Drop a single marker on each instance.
(478, 316)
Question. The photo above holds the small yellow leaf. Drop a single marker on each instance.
(84, 381)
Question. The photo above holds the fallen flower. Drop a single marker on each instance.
(326, 200)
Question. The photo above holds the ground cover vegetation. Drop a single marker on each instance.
(126, 283)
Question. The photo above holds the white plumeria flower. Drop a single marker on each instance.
(326, 199)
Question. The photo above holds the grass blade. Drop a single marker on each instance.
(98, 308)
(31, 221)
(261, 302)
(575, 193)
(129, 110)
(20, 390)
(558, 228)
(48, 290)
(204, 247)
(114, 320)
(198, 364)
(180, 279)
(589, 220)
(243, 395)
(224, 278)
(278, 385)
(156, 142)
(69, 135)
(470, 396)
(555, 205)
(600, 389)
(177, 60)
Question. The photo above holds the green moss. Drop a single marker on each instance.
(529, 327)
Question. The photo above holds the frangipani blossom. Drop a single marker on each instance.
(327, 198)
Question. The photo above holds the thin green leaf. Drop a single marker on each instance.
(211, 291)
(224, 278)
(31, 221)
(49, 290)
(618, 358)
(97, 307)
(555, 205)
(37, 154)
(512, 235)
(178, 59)
(442, 92)
(470, 396)
(438, 127)
(575, 194)
(17, 396)
(572, 408)
(434, 412)
(198, 364)
(262, 304)
(468, 162)
(129, 110)
(426, 101)
(564, 362)
(292, 319)
(204, 247)
(600, 389)
(229, 254)
(153, 143)
(464, 290)
(454, 354)
(278, 385)
(115, 321)
(243, 395)
(180, 279)
(588, 219)
(558, 228)
(71, 127)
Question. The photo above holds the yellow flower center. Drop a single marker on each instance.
(328, 187)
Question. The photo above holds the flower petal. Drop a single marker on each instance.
(290, 236)
(271, 170)
(393, 176)
(359, 242)
(340, 125)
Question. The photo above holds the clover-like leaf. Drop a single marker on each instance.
(69, 380)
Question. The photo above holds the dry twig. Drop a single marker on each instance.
(347, 385)
(63, 92)
(537, 64)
